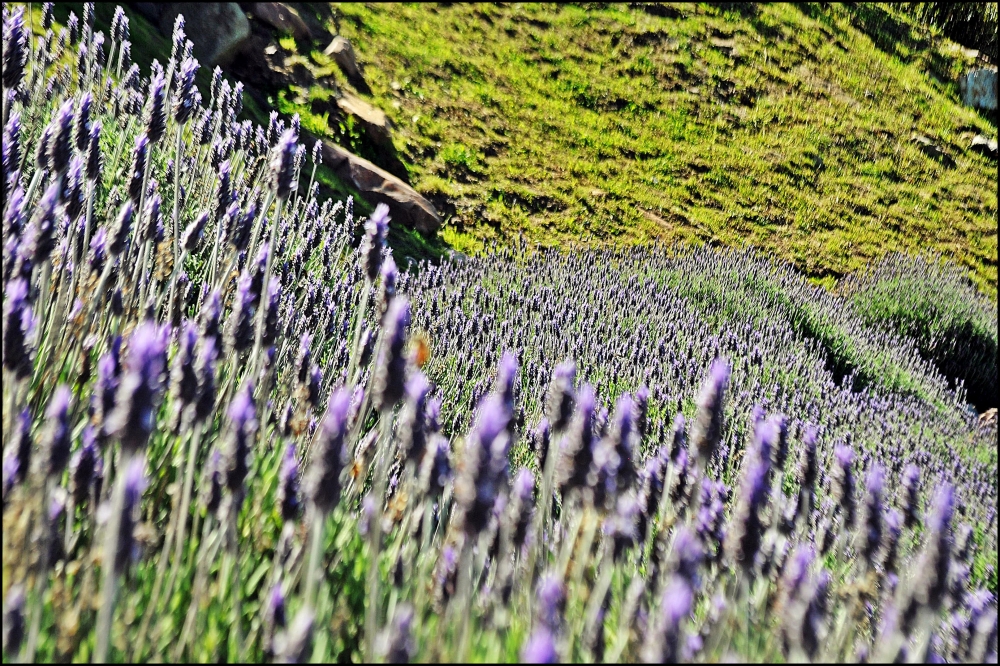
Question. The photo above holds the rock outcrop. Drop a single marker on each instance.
(343, 54)
(218, 30)
(372, 120)
(979, 89)
(282, 18)
(377, 186)
(983, 146)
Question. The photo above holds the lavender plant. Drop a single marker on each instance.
(647, 453)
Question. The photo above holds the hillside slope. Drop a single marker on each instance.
(783, 126)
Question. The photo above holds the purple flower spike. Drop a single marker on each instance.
(242, 416)
(58, 436)
(376, 229)
(664, 644)
(141, 388)
(288, 485)
(577, 452)
(559, 405)
(184, 95)
(551, 597)
(390, 370)
(412, 430)
(156, 109)
(282, 170)
(540, 648)
(14, 50)
(707, 431)
(330, 454)
(61, 146)
(135, 484)
(17, 324)
(842, 483)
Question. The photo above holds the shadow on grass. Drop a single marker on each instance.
(887, 32)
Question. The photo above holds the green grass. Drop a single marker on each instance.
(787, 127)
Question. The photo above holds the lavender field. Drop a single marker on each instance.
(235, 430)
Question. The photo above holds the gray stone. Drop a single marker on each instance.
(377, 186)
(979, 89)
(928, 148)
(372, 120)
(343, 54)
(984, 146)
(218, 30)
(282, 18)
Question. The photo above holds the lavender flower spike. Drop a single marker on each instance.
(323, 486)
(134, 416)
(390, 370)
(373, 242)
(282, 161)
(707, 431)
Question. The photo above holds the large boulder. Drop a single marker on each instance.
(377, 186)
(979, 89)
(983, 146)
(218, 30)
(343, 54)
(371, 119)
(282, 18)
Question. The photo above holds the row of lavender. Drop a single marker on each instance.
(177, 315)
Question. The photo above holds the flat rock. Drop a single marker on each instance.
(983, 146)
(377, 186)
(218, 30)
(342, 52)
(282, 18)
(373, 120)
(979, 89)
(929, 148)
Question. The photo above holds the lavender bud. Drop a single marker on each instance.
(577, 451)
(240, 332)
(57, 439)
(85, 466)
(807, 471)
(707, 432)
(550, 595)
(22, 444)
(909, 501)
(12, 142)
(540, 440)
(13, 608)
(936, 556)
(622, 429)
(389, 373)
(324, 480)
(17, 327)
(663, 646)
(212, 488)
(139, 156)
(61, 145)
(274, 619)
(412, 429)
(121, 230)
(242, 427)
(387, 286)
(875, 484)
(559, 404)
(282, 176)
(521, 507)
(746, 529)
(44, 224)
(14, 51)
(94, 160)
(184, 95)
(678, 442)
(135, 483)
(156, 111)
(842, 483)
(540, 648)
(288, 485)
(373, 242)
(476, 489)
(134, 416)
(435, 471)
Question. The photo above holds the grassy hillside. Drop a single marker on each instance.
(784, 126)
